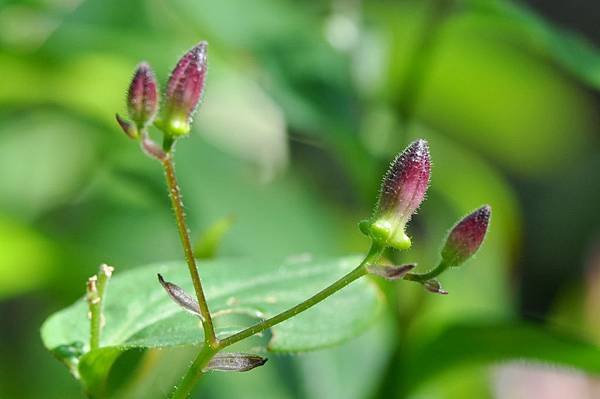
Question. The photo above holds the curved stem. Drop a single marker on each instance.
(176, 201)
(358, 272)
(423, 277)
(194, 373)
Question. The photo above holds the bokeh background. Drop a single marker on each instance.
(305, 105)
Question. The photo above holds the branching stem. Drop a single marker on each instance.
(195, 371)
(423, 277)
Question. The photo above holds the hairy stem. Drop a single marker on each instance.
(176, 201)
(194, 373)
(358, 272)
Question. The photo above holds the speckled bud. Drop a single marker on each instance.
(466, 236)
(402, 191)
(142, 96)
(184, 91)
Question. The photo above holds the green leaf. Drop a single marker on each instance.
(479, 344)
(569, 50)
(207, 245)
(139, 314)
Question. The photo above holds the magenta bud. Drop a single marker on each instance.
(402, 191)
(142, 96)
(466, 236)
(128, 127)
(184, 91)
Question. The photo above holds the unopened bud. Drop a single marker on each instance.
(180, 297)
(142, 96)
(235, 362)
(184, 91)
(466, 236)
(390, 272)
(402, 191)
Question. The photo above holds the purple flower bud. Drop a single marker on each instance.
(466, 236)
(184, 91)
(402, 191)
(142, 96)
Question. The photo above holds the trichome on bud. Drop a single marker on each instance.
(184, 91)
(402, 191)
(142, 96)
(466, 236)
(142, 101)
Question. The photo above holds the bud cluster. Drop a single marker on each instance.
(181, 99)
(403, 189)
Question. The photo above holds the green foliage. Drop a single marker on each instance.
(291, 139)
(469, 344)
(139, 314)
(571, 51)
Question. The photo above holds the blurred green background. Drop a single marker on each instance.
(305, 105)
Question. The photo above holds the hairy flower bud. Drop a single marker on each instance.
(402, 191)
(466, 236)
(142, 96)
(184, 91)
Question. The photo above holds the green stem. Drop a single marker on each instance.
(95, 296)
(210, 338)
(358, 272)
(423, 277)
(194, 373)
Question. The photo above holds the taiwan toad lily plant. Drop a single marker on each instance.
(141, 308)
